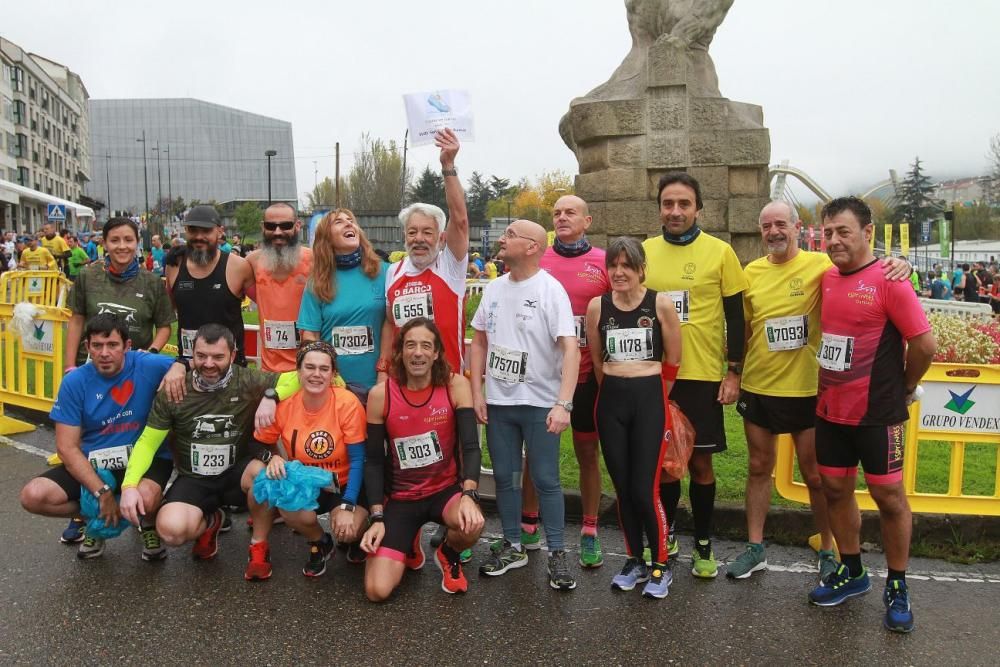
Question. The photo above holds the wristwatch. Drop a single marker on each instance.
(101, 491)
(449, 172)
(736, 367)
(272, 394)
(566, 405)
(472, 493)
(349, 507)
(376, 517)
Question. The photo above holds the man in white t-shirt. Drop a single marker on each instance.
(430, 281)
(525, 344)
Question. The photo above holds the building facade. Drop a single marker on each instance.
(44, 135)
(159, 150)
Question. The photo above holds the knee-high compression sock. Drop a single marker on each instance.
(529, 522)
(670, 496)
(702, 506)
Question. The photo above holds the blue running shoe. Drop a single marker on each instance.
(898, 615)
(659, 581)
(634, 572)
(840, 586)
(73, 532)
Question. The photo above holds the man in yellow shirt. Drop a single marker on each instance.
(55, 244)
(779, 382)
(704, 279)
(36, 258)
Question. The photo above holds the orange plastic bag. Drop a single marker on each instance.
(679, 436)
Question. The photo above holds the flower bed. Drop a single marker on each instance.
(962, 341)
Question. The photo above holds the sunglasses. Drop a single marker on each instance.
(283, 226)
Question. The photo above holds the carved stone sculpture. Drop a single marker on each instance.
(661, 111)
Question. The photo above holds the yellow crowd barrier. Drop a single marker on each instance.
(31, 365)
(960, 405)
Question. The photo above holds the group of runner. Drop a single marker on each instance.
(571, 336)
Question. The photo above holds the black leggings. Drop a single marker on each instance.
(630, 421)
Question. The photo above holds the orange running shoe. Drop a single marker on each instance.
(258, 562)
(452, 578)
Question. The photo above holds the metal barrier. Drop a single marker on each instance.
(475, 286)
(961, 404)
(966, 311)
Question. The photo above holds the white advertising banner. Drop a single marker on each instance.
(961, 407)
(434, 110)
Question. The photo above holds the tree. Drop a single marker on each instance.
(478, 194)
(991, 189)
(248, 216)
(531, 201)
(499, 187)
(914, 203)
(428, 189)
(324, 195)
(376, 181)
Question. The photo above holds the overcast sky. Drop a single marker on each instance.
(849, 88)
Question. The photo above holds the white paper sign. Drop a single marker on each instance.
(434, 110)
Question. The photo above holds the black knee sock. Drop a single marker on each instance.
(853, 563)
(896, 575)
(702, 505)
(670, 495)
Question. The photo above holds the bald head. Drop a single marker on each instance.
(779, 230)
(572, 202)
(533, 231)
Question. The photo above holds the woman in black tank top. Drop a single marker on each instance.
(635, 362)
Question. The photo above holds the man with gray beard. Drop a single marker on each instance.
(281, 270)
(207, 285)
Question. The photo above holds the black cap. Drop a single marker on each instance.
(202, 216)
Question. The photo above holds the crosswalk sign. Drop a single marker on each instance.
(57, 213)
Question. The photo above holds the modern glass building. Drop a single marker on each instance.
(193, 149)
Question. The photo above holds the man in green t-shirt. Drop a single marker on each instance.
(212, 428)
(77, 256)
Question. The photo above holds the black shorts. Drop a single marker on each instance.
(778, 414)
(879, 449)
(404, 518)
(158, 472)
(698, 400)
(210, 493)
(328, 500)
(584, 400)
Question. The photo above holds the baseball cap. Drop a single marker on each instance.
(202, 216)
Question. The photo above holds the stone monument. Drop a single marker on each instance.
(662, 111)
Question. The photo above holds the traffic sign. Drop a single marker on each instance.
(925, 231)
(57, 213)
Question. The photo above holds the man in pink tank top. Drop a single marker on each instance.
(281, 269)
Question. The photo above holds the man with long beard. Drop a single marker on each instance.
(281, 270)
(206, 285)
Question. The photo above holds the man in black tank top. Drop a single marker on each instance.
(207, 285)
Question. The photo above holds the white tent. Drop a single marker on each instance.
(13, 193)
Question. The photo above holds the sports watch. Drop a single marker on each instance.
(472, 493)
(567, 405)
(272, 394)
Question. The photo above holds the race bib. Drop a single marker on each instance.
(418, 451)
(835, 352)
(279, 335)
(410, 306)
(581, 329)
(352, 340)
(629, 344)
(187, 341)
(34, 267)
(110, 458)
(211, 459)
(507, 365)
(681, 304)
(786, 333)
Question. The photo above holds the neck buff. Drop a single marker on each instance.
(682, 239)
(350, 260)
(574, 249)
(130, 272)
(201, 385)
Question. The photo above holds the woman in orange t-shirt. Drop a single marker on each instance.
(320, 426)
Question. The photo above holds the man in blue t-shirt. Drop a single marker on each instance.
(100, 410)
(158, 253)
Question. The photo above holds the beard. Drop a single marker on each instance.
(281, 258)
(202, 256)
(421, 263)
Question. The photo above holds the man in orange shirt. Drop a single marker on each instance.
(281, 269)
(321, 426)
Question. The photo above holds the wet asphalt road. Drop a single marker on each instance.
(59, 610)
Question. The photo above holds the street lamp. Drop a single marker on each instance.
(145, 176)
(159, 180)
(107, 172)
(270, 154)
(170, 186)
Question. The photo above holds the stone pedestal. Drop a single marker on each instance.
(623, 146)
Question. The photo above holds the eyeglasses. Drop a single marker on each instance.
(284, 226)
(511, 234)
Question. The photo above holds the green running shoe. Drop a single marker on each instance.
(703, 558)
(503, 556)
(590, 552)
(92, 547)
(531, 541)
(672, 550)
(753, 559)
(466, 555)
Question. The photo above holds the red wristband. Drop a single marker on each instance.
(382, 366)
(669, 372)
